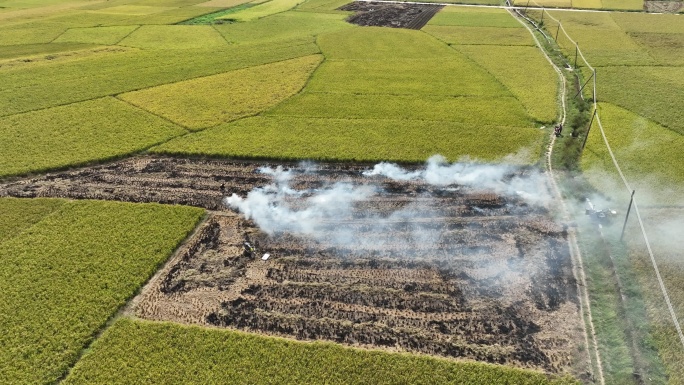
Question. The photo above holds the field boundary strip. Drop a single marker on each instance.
(574, 247)
(629, 189)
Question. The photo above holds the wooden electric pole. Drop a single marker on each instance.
(631, 200)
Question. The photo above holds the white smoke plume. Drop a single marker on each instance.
(329, 214)
(491, 177)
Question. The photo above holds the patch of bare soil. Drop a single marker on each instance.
(496, 285)
(410, 16)
(663, 6)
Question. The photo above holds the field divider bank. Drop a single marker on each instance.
(578, 263)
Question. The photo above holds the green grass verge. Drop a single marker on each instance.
(211, 100)
(357, 140)
(77, 133)
(145, 352)
(120, 70)
(64, 277)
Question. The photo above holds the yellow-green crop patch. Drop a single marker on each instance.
(118, 72)
(323, 6)
(16, 215)
(33, 50)
(175, 37)
(452, 34)
(267, 8)
(77, 133)
(208, 101)
(283, 26)
(378, 43)
(456, 76)
(652, 92)
(479, 111)
(535, 84)
(96, 35)
(133, 10)
(646, 22)
(30, 33)
(475, 17)
(356, 140)
(627, 5)
(646, 151)
(666, 48)
(146, 352)
(63, 277)
(591, 4)
(222, 3)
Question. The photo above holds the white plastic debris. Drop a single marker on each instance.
(265, 257)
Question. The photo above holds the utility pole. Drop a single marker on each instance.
(576, 51)
(631, 200)
(557, 30)
(588, 129)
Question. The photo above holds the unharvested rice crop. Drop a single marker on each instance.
(16, 215)
(595, 4)
(222, 3)
(646, 151)
(34, 50)
(163, 352)
(356, 140)
(645, 22)
(133, 10)
(666, 48)
(652, 92)
(96, 35)
(456, 76)
(476, 17)
(283, 26)
(210, 100)
(604, 47)
(265, 9)
(535, 84)
(30, 33)
(120, 70)
(630, 5)
(77, 133)
(452, 34)
(378, 43)
(328, 6)
(63, 277)
(465, 110)
(175, 37)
